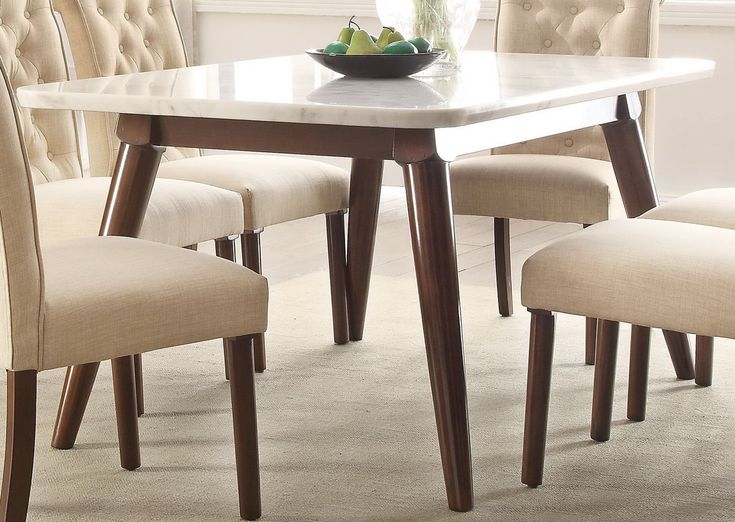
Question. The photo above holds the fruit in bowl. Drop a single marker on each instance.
(353, 40)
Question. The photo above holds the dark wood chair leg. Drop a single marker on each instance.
(244, 417)
(681, 354)
(432, 236)
(192, 247)
(20, 441)
(366, 178)
(590, 340)
(224, 247)
(140, 398)
(640, 349)
(604, 387)
(126, 409)
(338, 275)
(704, 361)
(503, 274)
(540, 356)
(75, 394)
(251, 258)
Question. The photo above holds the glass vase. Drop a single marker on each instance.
(447, 24)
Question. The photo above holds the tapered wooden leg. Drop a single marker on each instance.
(74, 398)
(503, 274)
(680, 353)
(704, 361)
(244, 417)
(127, 200)
(251, 258)
(590, 340)
(140, 398)
(540, 356)
(225, 248)
(126, 410)
(192, 247)
(338, 276)
(604, 387)
(365, 183)
(20, 440)
(432, 235)
(635, 180)
(640, 349)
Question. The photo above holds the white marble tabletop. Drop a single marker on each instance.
(296, 89)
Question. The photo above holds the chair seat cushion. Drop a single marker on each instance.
(111, 296)
(675, 276)
(274, 189)
(712, 207)
(179, 213)
(564, 189)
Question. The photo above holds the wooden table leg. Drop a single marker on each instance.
(127, 201)
(635, 180)
(365, 184)
(432, 235)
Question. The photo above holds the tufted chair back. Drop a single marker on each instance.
(109, 37)
(30, 46)
(21, 275)
(580, 27)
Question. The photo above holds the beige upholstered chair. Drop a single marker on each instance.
(663, 274)
(564, 178)
(63, 303)
(109, 37)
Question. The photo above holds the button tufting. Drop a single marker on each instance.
(150, 10)
(50, 156)
(621, 8)
(569, 142)
(547, 43)
(573, 9)
(27, 14)
(527, 6)
(127, 16)
(121, 47)
(596, 44)
(17, 52)
(146, 43)
(100, 11)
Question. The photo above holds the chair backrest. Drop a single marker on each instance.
(109, 37)
(582, 27)
(30, 46)
(21, 273)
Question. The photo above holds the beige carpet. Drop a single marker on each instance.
(347, 433)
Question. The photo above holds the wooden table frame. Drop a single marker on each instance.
(425, 155)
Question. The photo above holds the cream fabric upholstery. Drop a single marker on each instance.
(713, 207)
(32, 54)
(97, 298)
(274, 189)
(179, 213)
(112, 296)
(111, 37)
(590, 27)
(536, 186)
(664, 274)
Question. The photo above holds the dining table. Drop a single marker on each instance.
(292, 105)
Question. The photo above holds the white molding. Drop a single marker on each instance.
(705, 12)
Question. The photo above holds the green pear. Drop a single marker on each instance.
(384, 35)
(395, 37)
(361, 43)
(345, 35)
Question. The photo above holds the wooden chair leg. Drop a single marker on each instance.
(20, 441)
(338, 275)
(604, 387)
(140, 399)
(704, 361)
(503, 274)
(244, 417)
(252, 260)
(74, 398)
(126, 409)
(681, 354)
(194, 247)
(225, 248)
(640, 349)
(541, 351)
(590, 341)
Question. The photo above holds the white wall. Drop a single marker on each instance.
(695, 123)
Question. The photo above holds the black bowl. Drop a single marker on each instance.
(375, 65)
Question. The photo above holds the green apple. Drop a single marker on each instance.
(422, 44)
(401, 47)
(336, 48)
